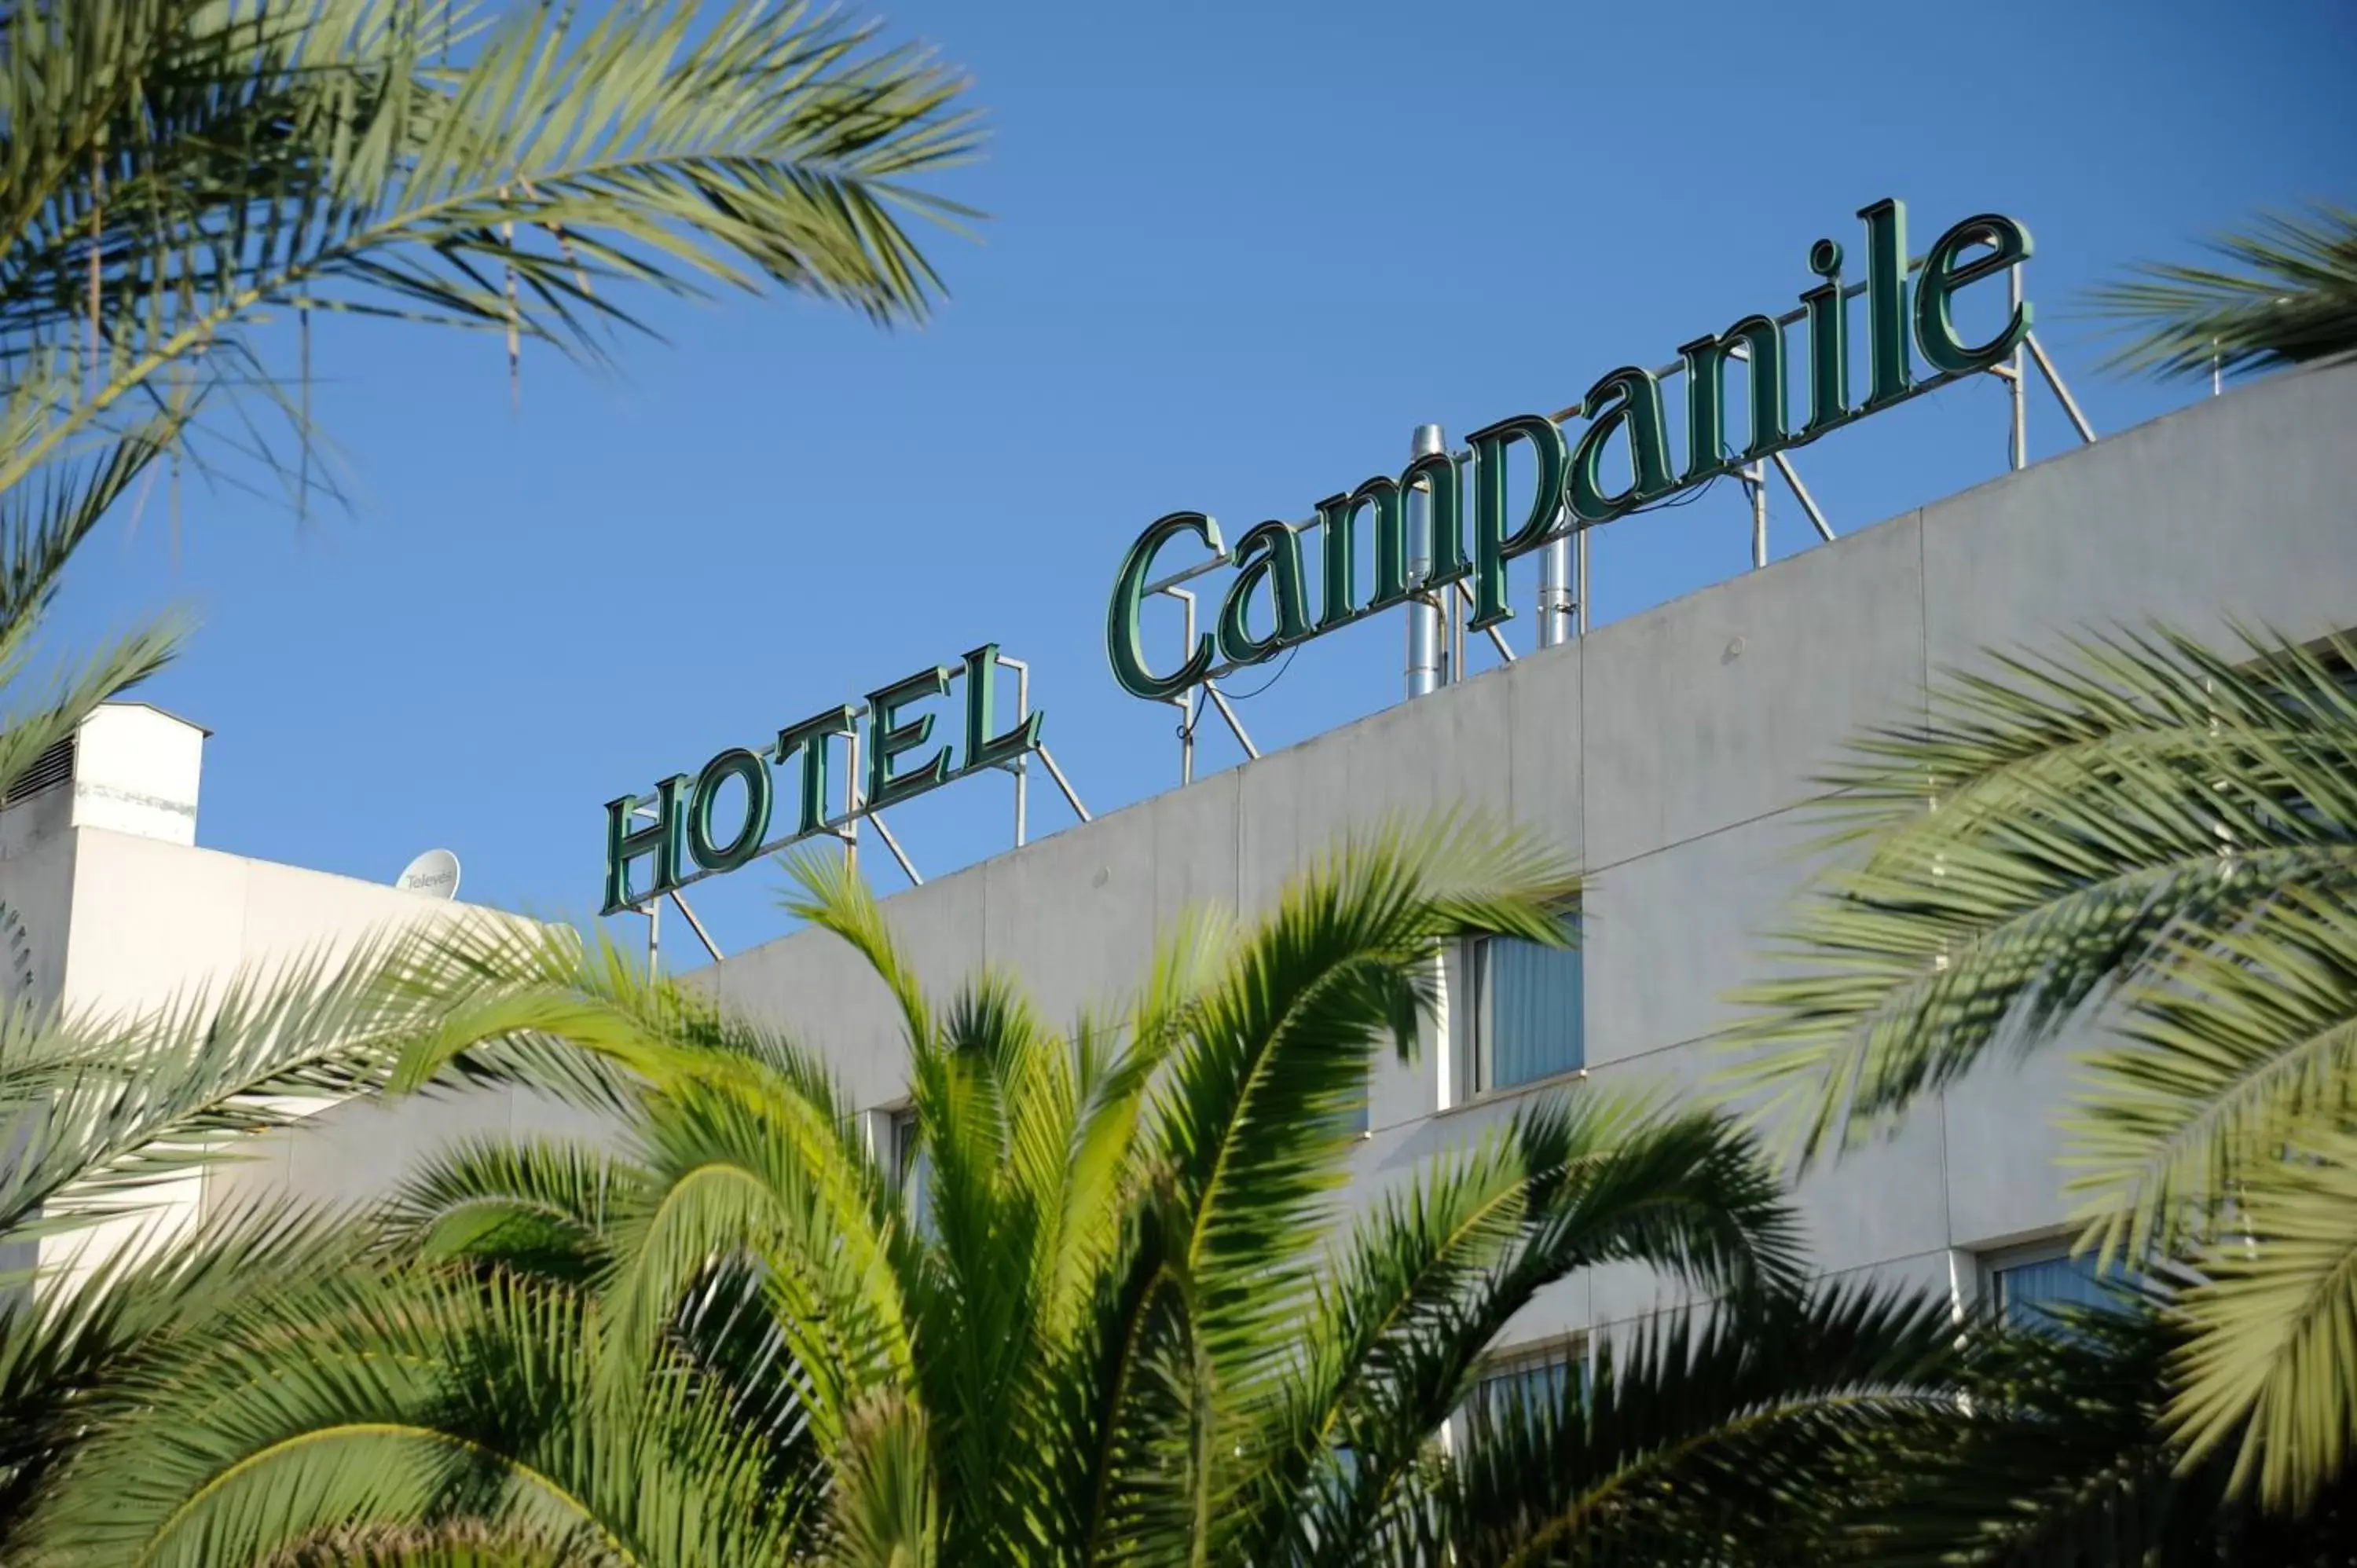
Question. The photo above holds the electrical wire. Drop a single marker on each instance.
(1186, 731)
(1264, 685)
(1683, 498)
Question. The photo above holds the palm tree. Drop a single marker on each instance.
(2292, 298)
(100, 1112)
(1126, 1323)
(2156, 840)
(176, 176)
(2078, 1473)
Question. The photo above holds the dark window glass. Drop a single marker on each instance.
(2029, 1294)
(1526, 1006)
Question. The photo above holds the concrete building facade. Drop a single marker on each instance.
(1667, 754)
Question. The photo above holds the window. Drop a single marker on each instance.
(1527, 1380)
(2030, 1286)
(912, 1168)
(1522, 1012)
(1534, 1380)
(1358, 1121)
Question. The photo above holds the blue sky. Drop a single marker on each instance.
(1209, 280)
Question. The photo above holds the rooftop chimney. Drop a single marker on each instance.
(130, 768)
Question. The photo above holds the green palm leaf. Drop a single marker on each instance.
(405, 158)
(1707, 1438)
(2160, 841)
(2224, 1041)
(2265, 1369)
(368, 1411)
(2085, 813)
(2291, 298)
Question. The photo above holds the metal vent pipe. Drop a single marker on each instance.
(1555, 590)
(1423, 608)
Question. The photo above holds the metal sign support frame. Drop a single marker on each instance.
(845, 828)
(1436, 622)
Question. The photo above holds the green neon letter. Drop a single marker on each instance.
(1436, 473)
(1828, 342)
(1271, 551)
(1637, 404)
(1390, 540)
(1339, 552)
(1886, 301)
(1492, 545)
(1936, 328)
(660, 838)
(708, 853)
(983, 749)
(1336, 515)
(1706, 361)
(1123, 645)
(887, 737)
(812, 736)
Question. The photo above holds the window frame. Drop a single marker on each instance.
(1570, 1350)
(900, 1134)
(908, 1164)
(1472, 1031)
(1997, 1261)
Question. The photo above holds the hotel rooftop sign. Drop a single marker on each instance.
(678, 830)
(1268, 608)
(727, 813)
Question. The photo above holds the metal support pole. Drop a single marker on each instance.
(1555, 590)
(1235, 724)
(1457, 618)
(1423, 608)
(1755, 484)
(1801, 493)
(2017, 390)
(893, 844)
(850, 833)
(1497, 639)
(1064, 784)
(696, 926)
(1188, 702)
(654, 939)
(2062, 393)
(1579, 583)
(1021, 765)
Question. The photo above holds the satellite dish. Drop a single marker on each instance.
(434, 874)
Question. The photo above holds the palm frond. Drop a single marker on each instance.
(832, 896)
(541, 1208)
(27, 733)
(2271, 1342)
(2065, 1465)
(75, 1348)
(45, 517)
(2226, 1040)
(745, 1144)
(2040, 841)
(1278, 1049)
(2291, 297)
(883, 1512)
(1439, 1270)
(1707, 1437)
(370, 1406)
(120, 1104)
(175, 173)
